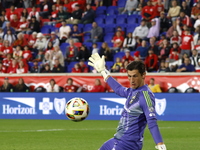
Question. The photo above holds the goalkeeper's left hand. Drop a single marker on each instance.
(99, 64)
(161, 147)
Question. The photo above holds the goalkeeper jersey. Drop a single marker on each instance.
(139, 110)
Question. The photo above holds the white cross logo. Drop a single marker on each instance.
(46, 106)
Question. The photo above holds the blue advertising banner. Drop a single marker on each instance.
(103, 106)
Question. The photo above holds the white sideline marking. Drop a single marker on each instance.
(52, 130)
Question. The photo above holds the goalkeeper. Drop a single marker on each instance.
(139, 109)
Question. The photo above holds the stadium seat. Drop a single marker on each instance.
(120, 19)
(54, 29)
(107, 38)
(121, 3)
(109, 64)
(99, 20)
(78, 44)
(46, 29)
(110, 19)
(110, 44)
(109, 28)
(119, 54)
(132, 19)
(131, 27)
(80, 27)
(101, 10)
(88, 45)
(87, 27)
(112, 10)
(99, 44)
(86, 37)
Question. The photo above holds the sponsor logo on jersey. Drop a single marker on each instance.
(160, 106)
(59, 105)
(46, 106)
(20, 109)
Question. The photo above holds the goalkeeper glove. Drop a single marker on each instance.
(161, 147)
(99, 64)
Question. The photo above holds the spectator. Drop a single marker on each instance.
(118, 41)
(153, 46)
(13, 67)
(129, 42)
(58, 68)
(9, 36)
(27, 54)
(75, 34)
(45, 9)
(118, 28)
(46, 69)
(88, 15)
(22, 68)
(148, 11)
(20, 40)
(8, 27)
(76, 15)
(164, 67)
(6, 49)
(21, 86)
(18, 52)
(117, 65)
(32, 39)
(141, 31)
(175, 38)
(76, 68)
(6, 87)
(184, 20)
(195, 59)
(83, 66)
(174, 52)
(35, 68)
(164, 49)
(40, 56)
(97, 86)
(174, 65)
(155, 88)
(34, 13)
(123, 68)
(197, 22)
(174, 11)
(54, 39)
(143, 50)
(164, 22)
(69, 86)
(2, 68)
(53, 16)
(186, 9)
(96, 33)
(22, 25)
(127, 56)
(40, 43)
(24, 14)
(52, 86)
(138, 9)
(7, 61)
(3, 22)
(154, 31)
(62, 15)
(159, 8)
(34, 26)
(186, 66)
(151, 61)
(130, 7)
(83, 53)
(106, 51)
(14, 22)
(95, 49)
(72, 51)
(170, 31)
(195, 11)
(11, 13)
(64, 32)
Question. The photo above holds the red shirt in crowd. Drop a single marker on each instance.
(118, 39)
(7, 50)
(130, 58)
(98, 88)
(74, 70)
(158, 9)
(186, 42)
(27, 55)
(151, 61)
(70, 88)
(6, 62)
(148, 10)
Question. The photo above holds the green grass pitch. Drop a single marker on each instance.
(88, 135)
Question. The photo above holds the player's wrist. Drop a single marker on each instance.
(105, 73)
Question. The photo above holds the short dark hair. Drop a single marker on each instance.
(137, 65)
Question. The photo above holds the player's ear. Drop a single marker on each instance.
(144, 75)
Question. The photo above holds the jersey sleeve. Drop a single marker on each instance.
(117, 88)
(147, 103)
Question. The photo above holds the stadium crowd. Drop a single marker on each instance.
(45, 36)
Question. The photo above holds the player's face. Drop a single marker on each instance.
(135, 78)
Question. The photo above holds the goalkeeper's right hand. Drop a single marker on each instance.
(99, 64)
(161, 147)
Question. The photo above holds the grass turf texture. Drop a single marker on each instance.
(88, 135)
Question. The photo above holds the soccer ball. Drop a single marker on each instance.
(77, 109)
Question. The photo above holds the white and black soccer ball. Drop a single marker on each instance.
(77, 109)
